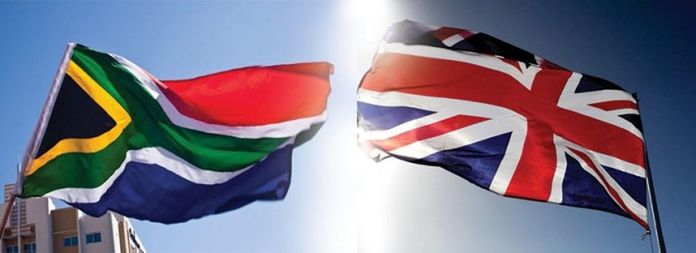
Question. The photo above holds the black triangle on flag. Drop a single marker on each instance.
(75, 115)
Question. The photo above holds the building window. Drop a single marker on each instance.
(12, 249)
(94, 237)
(30, 247)
(70, 241)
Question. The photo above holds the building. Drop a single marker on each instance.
(43, 228)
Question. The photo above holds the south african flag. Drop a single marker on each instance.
(113, 137)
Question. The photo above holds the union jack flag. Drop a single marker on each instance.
(504, 119)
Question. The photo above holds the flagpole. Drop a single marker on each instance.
(6, 215)
(655, 211)
(19, 223)
(651, 191)
(36, 136)
(40, 128)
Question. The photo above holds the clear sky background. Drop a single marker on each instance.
(339, 200)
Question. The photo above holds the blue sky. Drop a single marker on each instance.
(340, 201)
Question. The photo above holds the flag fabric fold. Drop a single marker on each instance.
(504, 119)
(113, 137)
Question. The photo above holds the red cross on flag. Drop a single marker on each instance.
(504, 119)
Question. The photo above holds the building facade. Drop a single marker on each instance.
(35, 225)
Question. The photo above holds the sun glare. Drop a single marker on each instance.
(370, 19)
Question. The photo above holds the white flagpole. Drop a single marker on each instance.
(36, 136)
(6, 214)
(19, 221)
(40, 128)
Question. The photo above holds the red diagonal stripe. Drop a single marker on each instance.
(611, 191)
(438, 128)
(459, 80)
(615, 105)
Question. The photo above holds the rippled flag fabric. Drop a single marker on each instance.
(113, 137)
(504, 119)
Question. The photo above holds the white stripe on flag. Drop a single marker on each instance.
(453, 40)
(580, 103)
(152, 155)
(559, 175)
(633, 205)
(502, 121)
(525, 77)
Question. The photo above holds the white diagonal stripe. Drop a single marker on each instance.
(452, 40)
(618, 164)
(618, 112)
(513, 154)
(502, 121)
(453, 139)
(580, 103)
(368, 135)
(635, 207)
(593, 97)
(435, 104)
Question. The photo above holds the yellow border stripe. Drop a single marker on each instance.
(86, 145)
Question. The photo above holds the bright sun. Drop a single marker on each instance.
(370, 19)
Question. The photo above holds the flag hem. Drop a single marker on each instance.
(46, 111)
